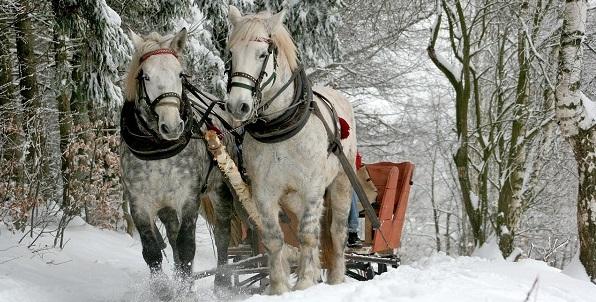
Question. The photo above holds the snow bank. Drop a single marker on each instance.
(443, 278)
(95, 265)
(575, 269)
(98, 265)
(489, 250)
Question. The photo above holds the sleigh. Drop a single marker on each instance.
(247, 265)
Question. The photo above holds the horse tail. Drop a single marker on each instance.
(207, 211)
(236, 232)
(327, 250)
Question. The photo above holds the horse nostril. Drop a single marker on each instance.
(244, 108)
(180, 126)
(164, 129)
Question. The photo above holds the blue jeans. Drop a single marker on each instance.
(353, 225)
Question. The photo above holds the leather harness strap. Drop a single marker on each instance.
(337, 149)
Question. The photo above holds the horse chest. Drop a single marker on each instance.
(302, 158)
(161, 181)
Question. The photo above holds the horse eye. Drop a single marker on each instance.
(263, 55)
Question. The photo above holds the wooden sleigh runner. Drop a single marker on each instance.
(247, 263)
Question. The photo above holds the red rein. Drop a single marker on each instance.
(161, 51)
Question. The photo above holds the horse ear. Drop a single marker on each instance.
(137, 40)
(179, 40)
(234, 15)
(277, 20)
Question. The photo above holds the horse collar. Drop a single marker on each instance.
(144, 143)
(292, 120)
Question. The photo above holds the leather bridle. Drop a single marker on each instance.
(257, 88)
(142, 77)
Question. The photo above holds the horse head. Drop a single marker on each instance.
(262, 51)
(154, 82)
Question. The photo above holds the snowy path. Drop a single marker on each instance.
(101, 265)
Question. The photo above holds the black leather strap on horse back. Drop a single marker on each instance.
(336, 133)
(337, 149)
(357, 186)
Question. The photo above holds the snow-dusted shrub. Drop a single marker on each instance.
(94, 176)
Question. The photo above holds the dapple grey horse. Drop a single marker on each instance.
(168, 187)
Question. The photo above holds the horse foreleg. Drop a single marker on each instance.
(186, 238)
(273, 241)
(308, 234)
(151, 247)
(170, 220)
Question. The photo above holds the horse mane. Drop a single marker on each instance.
(246, 30)
(152, 41)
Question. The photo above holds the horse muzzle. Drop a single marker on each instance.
(171, 130)
(240, 110)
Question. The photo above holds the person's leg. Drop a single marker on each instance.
(353, 225)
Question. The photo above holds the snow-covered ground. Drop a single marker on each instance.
(98, 265)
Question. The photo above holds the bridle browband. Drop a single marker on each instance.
(257, 88)
(160, 51)
(142, 78)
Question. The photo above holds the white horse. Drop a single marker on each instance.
(296, 170)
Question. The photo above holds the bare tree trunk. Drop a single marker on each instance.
(29, 90)
(10, 108)
(462, 84)
(510, 196)
(62, 82)
(27, 64)
(31, 102)
(433, 202)
(577, 129)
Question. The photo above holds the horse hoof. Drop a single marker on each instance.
(277, 290)
(160, 288)
(303, 284)
(223, 292)
(223, 281)
(336, 280)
